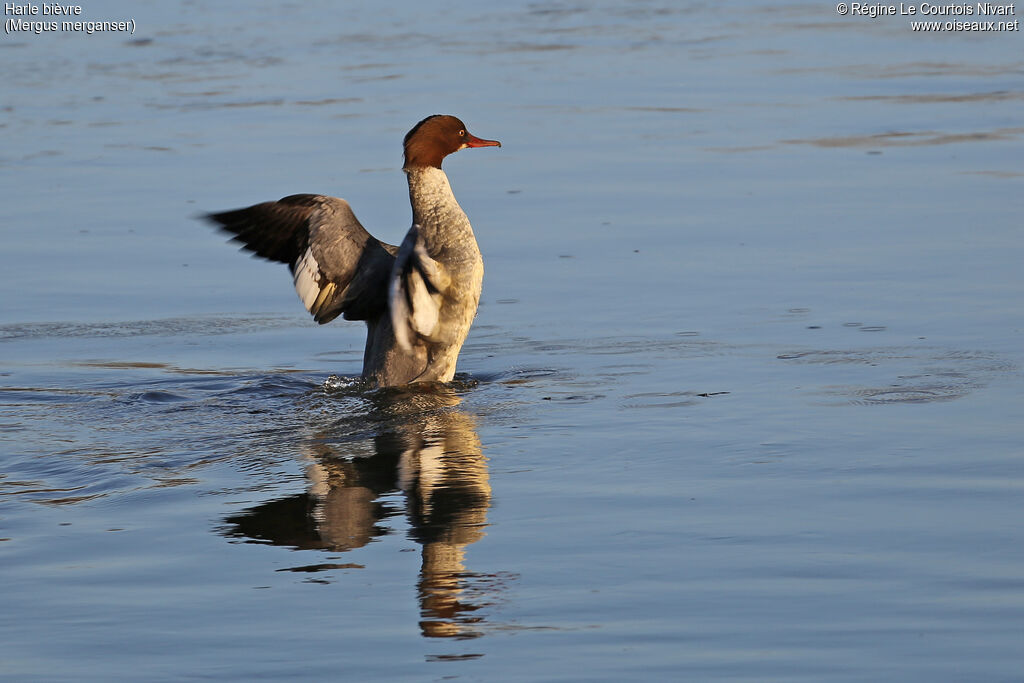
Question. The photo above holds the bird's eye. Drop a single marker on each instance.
(462, 133)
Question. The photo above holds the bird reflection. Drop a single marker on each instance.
(417, 442)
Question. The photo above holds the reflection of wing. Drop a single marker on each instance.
(338, 267)
(416, 292)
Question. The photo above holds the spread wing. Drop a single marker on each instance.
(416, 292)
(338, 268)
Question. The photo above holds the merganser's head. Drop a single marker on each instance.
(437, 136)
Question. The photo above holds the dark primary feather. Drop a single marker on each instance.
(353, 265)
(278, 231)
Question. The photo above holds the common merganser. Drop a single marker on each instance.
(418, 299)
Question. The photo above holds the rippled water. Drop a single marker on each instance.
(742, 401)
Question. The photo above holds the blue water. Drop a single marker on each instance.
(742, 400)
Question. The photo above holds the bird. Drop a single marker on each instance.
(419, 298)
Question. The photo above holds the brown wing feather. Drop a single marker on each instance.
(278, 231)
(339, 268)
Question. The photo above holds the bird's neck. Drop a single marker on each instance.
(441, 219)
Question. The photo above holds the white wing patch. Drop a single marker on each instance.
(307, 279)
(313, 287)
(414, 294)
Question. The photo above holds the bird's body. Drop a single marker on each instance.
(418, 299)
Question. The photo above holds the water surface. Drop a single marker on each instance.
(742, 401)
